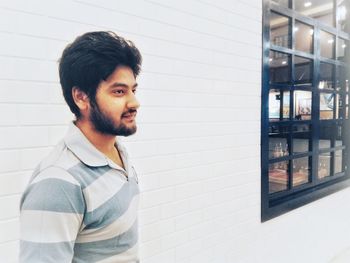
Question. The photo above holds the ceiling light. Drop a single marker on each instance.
(284, 62)
(296, 29)
(307, 4)
(330, 41)
(311, 32)
(343, 46)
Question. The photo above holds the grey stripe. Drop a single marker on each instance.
(113, 208)
(32, 252)
(98, 250)
(54, 195)
(86, 175)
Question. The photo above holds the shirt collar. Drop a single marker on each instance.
(76, 141)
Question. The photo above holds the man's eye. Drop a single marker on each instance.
(134, 91)
(119, 91)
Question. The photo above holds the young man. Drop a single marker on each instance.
(81, 203)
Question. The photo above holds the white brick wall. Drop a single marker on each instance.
(198, 144)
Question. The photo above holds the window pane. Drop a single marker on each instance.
(304, 35)
(284, 3)
(343, 18)
(326, 136)
(303, 70)
(278, 141)
(339, 106)
(327, 41)
(326, 106)
(279, 67)
(276, 100)
(326, 76)
(342, 79)
(324, 165)
(301, 138)
(302, 105)
(279, 30)
(319, 10)
(343, 50)
(301, 171)
(338, 161)
(339, 136)
(278, 177)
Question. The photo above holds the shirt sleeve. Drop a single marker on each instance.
(52, 209)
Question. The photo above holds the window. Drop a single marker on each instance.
(305, 123)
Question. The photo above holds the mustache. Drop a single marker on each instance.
(131, 111)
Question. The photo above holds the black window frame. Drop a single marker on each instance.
(275, 204)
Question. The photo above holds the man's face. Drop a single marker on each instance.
(114, 110)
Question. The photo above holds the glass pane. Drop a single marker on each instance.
(284, 3)
(302, 105)
(338, 164)
(343, 50)
(342, 79)
(275, 102)
(326, 106)
(339, 136)
(279, 67)
(339, 106)
(278, 141)
(324, 165)
(327, 41)
(278, 177)
(343, 19)
(301, 171)
(326, 76)
(279, 30)
(326, 136)
(301, 138)
(319, 10)
(304, 35)
(303, 70)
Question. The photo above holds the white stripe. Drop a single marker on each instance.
(55, 173)
(129, 256)
(110, 182)
(119, 226)
(49, 227)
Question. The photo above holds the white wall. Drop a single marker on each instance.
(197, 149)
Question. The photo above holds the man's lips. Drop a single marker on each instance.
(130, 115)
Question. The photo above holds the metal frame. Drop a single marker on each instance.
(278, 203)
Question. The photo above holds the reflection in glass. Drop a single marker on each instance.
(275, 102)
(319, 10)
(342, 79)
(278, 141)
(279, 30)
(339, 106)
(304, 35)
(338, 165)
(343, 14)
(278, 177)
(284, 3)
(326, 106)
(303, 70)
(324, 165)
(326, 136)
(327, 41)
(326, 76)
(301, 138)
(279, 67)
(302, 105)
(339, 136)
(301, 171)
(343, 50)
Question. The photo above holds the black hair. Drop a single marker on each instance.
(91, 58)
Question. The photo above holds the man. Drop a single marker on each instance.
(81, 203)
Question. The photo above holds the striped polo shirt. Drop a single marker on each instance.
(80, 206)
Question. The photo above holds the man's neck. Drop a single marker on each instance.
(103, 142)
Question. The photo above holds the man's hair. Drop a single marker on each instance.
(91, 58)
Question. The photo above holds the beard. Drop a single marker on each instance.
(105, 124)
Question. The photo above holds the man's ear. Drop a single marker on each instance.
(81, 99)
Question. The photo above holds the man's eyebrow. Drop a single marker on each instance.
(119, 84)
